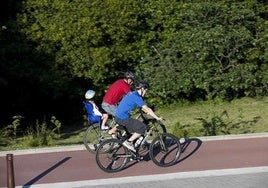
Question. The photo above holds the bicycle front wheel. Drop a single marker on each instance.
(155, 128)
(93, 137)
(111, 156)
(165, 150)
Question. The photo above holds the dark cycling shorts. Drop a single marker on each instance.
(132, 125)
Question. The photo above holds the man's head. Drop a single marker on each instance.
(130, 77)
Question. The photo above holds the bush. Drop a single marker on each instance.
(184, 131)
(43, 134)
(218, 124)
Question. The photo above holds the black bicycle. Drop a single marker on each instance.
(164, 148)
(94, 136)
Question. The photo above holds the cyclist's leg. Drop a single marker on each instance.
(110, 109)
(135, 127)
(103, 122)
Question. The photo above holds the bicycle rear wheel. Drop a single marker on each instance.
(165, 149)
(93, 137)
(111, 156)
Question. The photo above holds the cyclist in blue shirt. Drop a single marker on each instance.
(128, 103)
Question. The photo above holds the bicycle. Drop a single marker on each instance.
(93, 136)
(164, 149)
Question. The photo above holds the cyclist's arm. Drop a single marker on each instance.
(149, 111)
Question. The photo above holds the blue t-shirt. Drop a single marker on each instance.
(92, 118)
(128, 103)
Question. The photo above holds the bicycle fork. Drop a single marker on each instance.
(162, 143)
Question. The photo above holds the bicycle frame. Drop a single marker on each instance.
(94, 131)
(153, 128)
(112, 156)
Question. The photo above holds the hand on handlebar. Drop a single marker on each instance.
(160, 119)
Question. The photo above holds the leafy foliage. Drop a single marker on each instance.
(217, 124)
(209, 49)
(44, 134)
(186, 50)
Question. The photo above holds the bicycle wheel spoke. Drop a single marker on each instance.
(93, 138)
(111, 156)
(165, 150)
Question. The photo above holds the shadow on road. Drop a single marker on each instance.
(35, 179)
(189, 147)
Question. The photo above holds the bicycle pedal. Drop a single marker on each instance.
(139, 158)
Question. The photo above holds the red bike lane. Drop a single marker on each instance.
(198, 155)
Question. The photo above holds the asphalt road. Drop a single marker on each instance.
(214, 157)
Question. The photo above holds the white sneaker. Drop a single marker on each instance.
(129, 145)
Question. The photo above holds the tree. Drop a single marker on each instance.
(185, 49)
(210, 49)
(94, 40)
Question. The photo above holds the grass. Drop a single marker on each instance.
(246, 115)
(249, 112)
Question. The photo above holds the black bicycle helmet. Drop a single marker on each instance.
(130, 75)
(142, 84)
